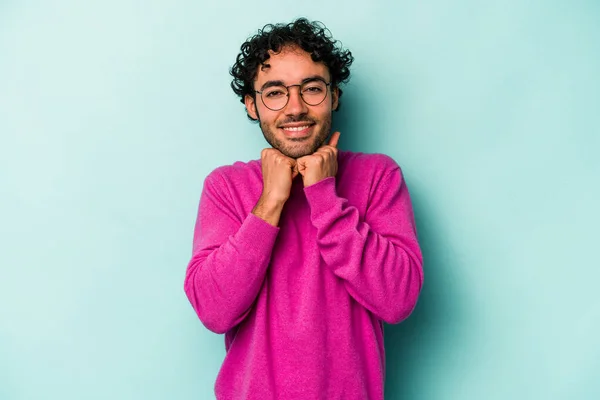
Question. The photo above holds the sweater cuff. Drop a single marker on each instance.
(257, 235)
(321, 196)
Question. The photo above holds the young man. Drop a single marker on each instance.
(301, 256)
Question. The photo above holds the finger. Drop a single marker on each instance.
(327, 151)
(301, 164)
(333, 141)
(289, 161)
(282, 159)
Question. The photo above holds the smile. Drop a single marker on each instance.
(296, 128)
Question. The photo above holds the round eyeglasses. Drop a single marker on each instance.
(312, 92)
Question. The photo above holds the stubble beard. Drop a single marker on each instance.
(304, 147)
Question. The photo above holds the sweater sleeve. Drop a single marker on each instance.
(229, 259)
(377, 256)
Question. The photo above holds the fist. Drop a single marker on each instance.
(278, 172)
(321, 164)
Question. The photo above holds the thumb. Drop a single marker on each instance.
(333, 141)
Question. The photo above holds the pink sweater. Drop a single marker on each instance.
(303, 305)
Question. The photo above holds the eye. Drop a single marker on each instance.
(313, 89)
(274, 93)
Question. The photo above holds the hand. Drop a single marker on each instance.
(321, 164)
(278, 171)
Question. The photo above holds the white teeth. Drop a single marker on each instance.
(296, 128)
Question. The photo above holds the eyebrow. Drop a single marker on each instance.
(269, 84)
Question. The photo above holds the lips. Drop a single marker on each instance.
(297, 129)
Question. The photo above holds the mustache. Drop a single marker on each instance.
(296, 119)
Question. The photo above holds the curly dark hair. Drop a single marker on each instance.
(312, 37)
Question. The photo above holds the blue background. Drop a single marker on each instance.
(113, 112)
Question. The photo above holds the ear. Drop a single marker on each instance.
(335, 95)
(251, 106)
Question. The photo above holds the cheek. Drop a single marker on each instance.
(267, 116)
(324, 112)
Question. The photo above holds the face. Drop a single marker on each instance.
(298, 129)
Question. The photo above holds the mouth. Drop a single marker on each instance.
(297, 130)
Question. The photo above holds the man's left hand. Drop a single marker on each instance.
(321, 164)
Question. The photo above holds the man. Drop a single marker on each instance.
(301, 256)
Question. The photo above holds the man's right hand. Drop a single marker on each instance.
(278, 173)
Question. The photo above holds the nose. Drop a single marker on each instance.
(295, 105)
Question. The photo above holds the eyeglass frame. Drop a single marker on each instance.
(287, 88)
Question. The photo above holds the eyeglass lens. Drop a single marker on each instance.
(313, 93)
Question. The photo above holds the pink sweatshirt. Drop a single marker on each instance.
(303, 305)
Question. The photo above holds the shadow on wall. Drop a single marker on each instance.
(432, 332)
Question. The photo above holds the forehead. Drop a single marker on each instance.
(291, 65)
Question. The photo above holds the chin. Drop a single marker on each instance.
(295, 154)
(299, 151)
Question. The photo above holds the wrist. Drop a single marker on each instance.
(312, 180)
(269, 210)
(272, 201)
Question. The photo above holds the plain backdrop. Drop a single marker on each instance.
(113, 112)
